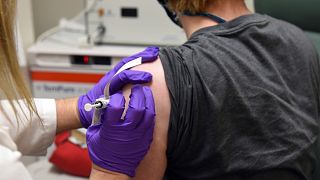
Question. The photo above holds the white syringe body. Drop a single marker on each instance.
(100, 103)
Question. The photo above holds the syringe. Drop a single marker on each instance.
(99, 104)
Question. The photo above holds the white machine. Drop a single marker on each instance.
(63, 64)
(58, 71)
(142, 22)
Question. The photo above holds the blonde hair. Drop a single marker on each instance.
(192, 6)
(12, 84)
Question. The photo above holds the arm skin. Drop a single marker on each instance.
(153, 166)
(67, 115)
(98, 173)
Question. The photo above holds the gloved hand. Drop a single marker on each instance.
(128, 76)
(119, 145)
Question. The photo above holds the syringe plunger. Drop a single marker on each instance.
(99, 104)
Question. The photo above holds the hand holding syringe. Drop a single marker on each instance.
(120, 76)
(102, 103)
(98, 105)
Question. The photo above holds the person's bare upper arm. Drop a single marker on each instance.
(154, 163)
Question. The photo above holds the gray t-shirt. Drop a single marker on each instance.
(244, 102)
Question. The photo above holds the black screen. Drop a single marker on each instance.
(129, 12)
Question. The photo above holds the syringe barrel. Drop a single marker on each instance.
(103, 103)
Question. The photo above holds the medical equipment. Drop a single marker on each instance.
(132, 22)
(98, 104)
(58, 70)
(121, 22)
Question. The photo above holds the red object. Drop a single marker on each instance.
(65, 77)
(70, 157)
(86, 59)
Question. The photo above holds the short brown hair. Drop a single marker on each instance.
(192, 6)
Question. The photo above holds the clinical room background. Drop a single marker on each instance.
(36, 17)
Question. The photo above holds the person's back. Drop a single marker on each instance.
(244, 100)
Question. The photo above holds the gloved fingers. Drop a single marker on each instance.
(113, 112)
(128, 77)
(150, 106)
(149, 116)
(99, 87)
(92, 130)
(150, 54)
(136, 107)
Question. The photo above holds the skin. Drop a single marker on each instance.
(98, 173)
(226, 9)
(155, 162)
(153, 166)
(67, 118)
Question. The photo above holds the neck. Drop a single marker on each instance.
(226, 9)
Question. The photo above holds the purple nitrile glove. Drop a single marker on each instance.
(128, 77)
(148, 55)
(119, 145)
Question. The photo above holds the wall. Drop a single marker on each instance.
(25, 34)
(47, 13)
(25, 19)
(250, 4)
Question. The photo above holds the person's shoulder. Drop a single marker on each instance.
(175, 55)
(158, 86)
(286, 26)
(172, 50)
(154, 163)
(293, 34)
